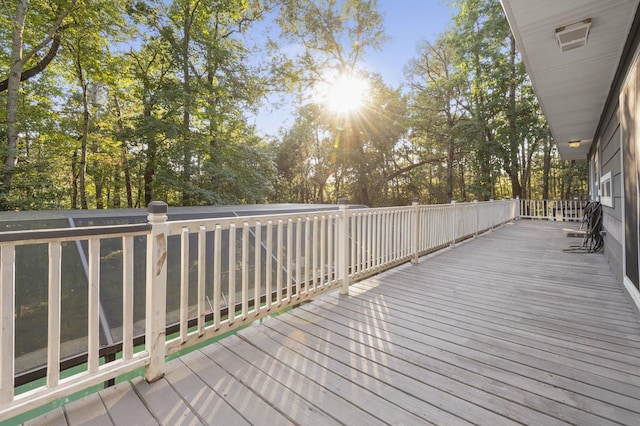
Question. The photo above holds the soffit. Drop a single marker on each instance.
(572, 86)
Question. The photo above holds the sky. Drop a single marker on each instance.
(407, 22)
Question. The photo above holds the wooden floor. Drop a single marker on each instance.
(505, 329)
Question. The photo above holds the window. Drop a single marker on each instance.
(606, 190)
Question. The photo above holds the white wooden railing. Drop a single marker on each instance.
(56, 387)
(232, 271)
(554, 210)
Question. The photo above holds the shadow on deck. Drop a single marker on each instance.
(504, 329)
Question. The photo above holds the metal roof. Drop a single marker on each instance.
(44, 219)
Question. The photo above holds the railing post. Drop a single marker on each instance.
(493, 212)
(453, 226)
(156, 290)
(416, 229)
(477, 210)
(504, 210)
(343, 245)
(517, 211)
(7, 326)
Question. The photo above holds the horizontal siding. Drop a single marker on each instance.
(613, 252)
(612, 216)
(613, 227)
(612, 127)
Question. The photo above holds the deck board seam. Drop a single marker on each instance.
(421, 342)
(468, 339)
(590, 415)
(470, 311)
(519, 334)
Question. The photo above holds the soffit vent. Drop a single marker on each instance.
(573, 36)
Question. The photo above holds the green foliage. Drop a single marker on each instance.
(148, 102)
(148, 99)
(467, 126)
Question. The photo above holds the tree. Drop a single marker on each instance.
(118, 100)
(437, 85)
(88, 55)
(216, 86)
(478, 38)
(25, 48)
(334, 35)
(303, 158)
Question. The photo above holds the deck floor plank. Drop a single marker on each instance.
(204, 401)
(567, 405)
(442, 379)
(440, 327)
(299, 409)
(165, 403)
(437, 408)
(557, 342)
(124, 406)
(515, 314)
(458, 343)
(241, 398)
(376, 397)
(88, 411)
(382, 382)
(412, 351)
(54, 417)
(343, 410)
(514, 327)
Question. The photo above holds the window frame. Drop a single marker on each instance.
(606, 190)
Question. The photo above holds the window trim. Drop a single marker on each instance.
(606, 190)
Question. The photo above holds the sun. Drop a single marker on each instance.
(346, 94)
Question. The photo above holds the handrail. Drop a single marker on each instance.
(221, 274)
(71, 234)
(552, 210)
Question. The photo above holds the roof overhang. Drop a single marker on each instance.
(572, 82)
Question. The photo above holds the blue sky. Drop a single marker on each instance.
(407, 22)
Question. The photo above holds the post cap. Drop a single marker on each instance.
(415, 200)
(157, 207)
(343, 201)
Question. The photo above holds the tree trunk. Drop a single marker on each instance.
(13, 94)
(361, 167)
(150, 164)
(450, 157)
(546, 169)
(463, 185)
(516, 189)
(84, 135)
(18, 60)
(569, 187)
(125, 155)
(98, 175)
(525, 169)
(74, 183)
(186, 116)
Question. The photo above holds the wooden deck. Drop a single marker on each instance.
(504, 329)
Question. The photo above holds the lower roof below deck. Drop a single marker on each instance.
(504, 329)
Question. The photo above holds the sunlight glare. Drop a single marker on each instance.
(346, 94)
